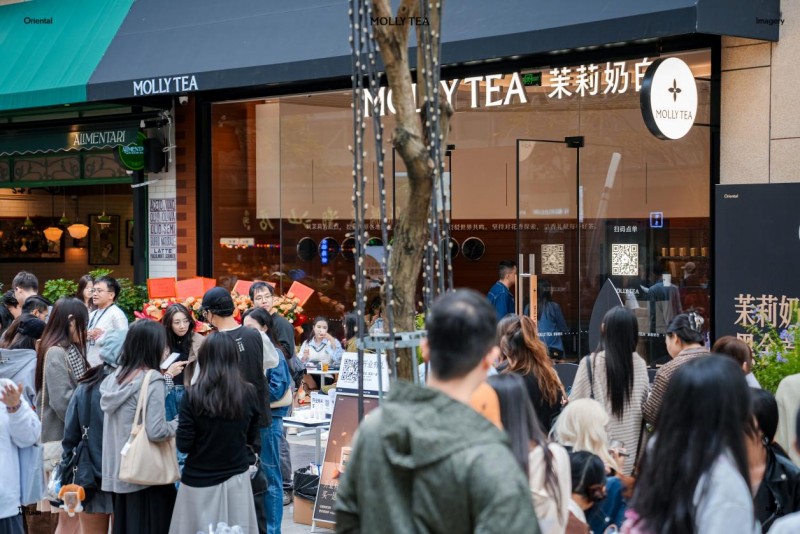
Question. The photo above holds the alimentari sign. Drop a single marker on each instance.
(99, 138)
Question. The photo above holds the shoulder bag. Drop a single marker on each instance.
(145, 462)
(77, 467)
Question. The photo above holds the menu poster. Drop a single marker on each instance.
(340, 439)
(348, 375)
(163, 229)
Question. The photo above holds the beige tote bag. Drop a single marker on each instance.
(146, 462)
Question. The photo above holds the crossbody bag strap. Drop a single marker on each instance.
(140, 410)
(44, 390)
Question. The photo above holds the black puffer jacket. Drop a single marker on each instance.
(779, 493)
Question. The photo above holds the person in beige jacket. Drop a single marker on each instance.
(617, 378)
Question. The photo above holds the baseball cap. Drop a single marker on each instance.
(218, 301)
(31, 326)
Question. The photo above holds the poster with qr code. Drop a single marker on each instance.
(553, 259)
(625, 259)
(348, 374)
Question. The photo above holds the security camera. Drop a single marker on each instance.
(183, 100)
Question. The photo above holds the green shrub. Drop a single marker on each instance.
(131, 297)
(776, 354)
(59, 287)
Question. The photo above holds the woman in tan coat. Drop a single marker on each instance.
(616, 377)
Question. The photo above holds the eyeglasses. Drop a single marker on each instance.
(99, 290)
(262, 298)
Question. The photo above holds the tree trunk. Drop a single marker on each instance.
(411, 229)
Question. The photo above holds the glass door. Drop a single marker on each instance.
(548, 214)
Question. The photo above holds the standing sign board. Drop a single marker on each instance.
(757, 257)
(344, 424)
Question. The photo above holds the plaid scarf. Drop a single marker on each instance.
(76, 362)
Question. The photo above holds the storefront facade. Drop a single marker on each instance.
(549, 155)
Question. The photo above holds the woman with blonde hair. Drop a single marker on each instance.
(582, 427)
(527, 357)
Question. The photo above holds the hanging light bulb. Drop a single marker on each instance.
(104, 221)
(52, 232)
(77, 230)
(28, 224)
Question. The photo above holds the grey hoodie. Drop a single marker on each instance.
(118, 402)
(437, 467)
(19, 366)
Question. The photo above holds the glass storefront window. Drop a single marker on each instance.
(625, 207)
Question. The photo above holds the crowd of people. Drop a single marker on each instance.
(494, 442)
(152, 427)
(81, 385)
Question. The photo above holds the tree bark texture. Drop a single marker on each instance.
(411, 230)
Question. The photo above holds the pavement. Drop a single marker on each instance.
(302, 451)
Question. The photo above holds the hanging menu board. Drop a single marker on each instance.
(163, 230)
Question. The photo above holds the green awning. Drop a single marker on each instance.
(49, 49)
(81, 137)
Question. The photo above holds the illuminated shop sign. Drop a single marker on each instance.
(583, 81)
(669, 98)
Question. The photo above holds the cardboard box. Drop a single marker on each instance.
(303, 510)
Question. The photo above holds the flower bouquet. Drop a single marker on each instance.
(288, 306)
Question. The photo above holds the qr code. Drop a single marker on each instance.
(624, 259)
(553, 259)
(349, 372)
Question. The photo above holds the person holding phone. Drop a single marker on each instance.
(183, 344)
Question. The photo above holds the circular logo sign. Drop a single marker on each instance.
(669, 98)
(132, 156)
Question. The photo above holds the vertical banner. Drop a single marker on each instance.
(757, 257)
(163, 229)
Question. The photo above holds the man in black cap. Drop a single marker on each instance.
(217, 309)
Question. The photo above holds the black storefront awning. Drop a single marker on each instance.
(186, 46)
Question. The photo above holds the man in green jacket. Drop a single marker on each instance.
(425, 462)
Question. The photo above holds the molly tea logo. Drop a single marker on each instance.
(400, 21)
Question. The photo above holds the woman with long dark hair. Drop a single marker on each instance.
(182, 340)
(137, 508)
(694, 476)
(546, 465)
(527, 357)
(84, 292)
(616, 377)
(685, 342)
(60, 364)
(219, 426)
(775, 480)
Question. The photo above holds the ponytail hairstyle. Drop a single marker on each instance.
(528, 356)
(688, 327)
(620, 334)
(588, 475)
